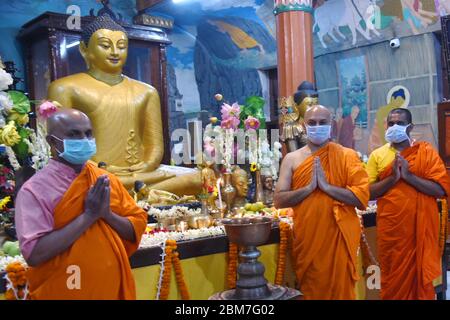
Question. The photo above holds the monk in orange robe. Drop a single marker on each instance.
(323, 182)
(407, 213)
(77, 225)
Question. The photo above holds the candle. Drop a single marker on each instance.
(219, 193)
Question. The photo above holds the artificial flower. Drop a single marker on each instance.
(9, 135)
(5, 80)
(6, 102)
(4, 202)
(20, 118)
(2, 121)
(253, 167)
(218, 97)
(230, 111)
(208, 145)
(230, 123)
(251, 123)
(46, 109)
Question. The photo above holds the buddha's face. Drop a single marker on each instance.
(397, 102)
(107, 50)
(241, 184)
(305, 104)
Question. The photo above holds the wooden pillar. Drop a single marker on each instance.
(295, 46)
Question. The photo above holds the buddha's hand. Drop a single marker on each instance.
(143, 167)
(119, 171)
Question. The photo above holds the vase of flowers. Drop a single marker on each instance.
(229, 192)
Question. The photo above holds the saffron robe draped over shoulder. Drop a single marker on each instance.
(408, 229)
(326, 231)
(96, 265)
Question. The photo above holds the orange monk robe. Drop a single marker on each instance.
(408, 229)
(100, 255)
(327, 232)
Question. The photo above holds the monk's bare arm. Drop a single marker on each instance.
(425, 186)
(342, 195)
(337, 193)
(122, 226)
(378, 189)
(284, 197)
(58, 241)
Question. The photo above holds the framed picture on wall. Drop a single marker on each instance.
(444, 132)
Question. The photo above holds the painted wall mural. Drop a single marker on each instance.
(343, 24)
(218, 47)
(225, 46)
(353, 99)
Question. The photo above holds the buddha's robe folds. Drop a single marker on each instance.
(99, 257)
(326, 231)
(408, 229)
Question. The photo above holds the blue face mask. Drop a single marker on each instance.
(318, 134)
(397, 134)
(77, 151)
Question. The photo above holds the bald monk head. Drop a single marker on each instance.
(318, 125)
(69, 134)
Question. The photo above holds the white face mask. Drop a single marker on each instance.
(397, 134)
(318, 134)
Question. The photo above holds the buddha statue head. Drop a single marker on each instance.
(305, 97)
(104, 45)
(239, 180)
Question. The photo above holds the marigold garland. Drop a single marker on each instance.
(17, 288)
(172, 258)
(180, 277)
(443, 232)
(232, 265)
(285, 230)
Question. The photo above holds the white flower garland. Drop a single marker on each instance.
(161, 270)
(228, 149)
(12, 158)
(157, 239)
(39, 148)
(173, 212)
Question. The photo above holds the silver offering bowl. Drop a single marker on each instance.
(248, 233)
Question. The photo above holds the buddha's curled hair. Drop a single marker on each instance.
(100, 22)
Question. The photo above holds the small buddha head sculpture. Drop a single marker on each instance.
(141, 190)
(268, 182)
(239, 180)
(104, 45)
(102, 165)
(305, 97)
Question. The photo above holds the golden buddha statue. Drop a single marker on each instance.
(125, 113)
(292, 113)
(154, 197)
(239, 178)
(209, 182)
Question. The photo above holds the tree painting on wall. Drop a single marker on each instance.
(353, 99)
